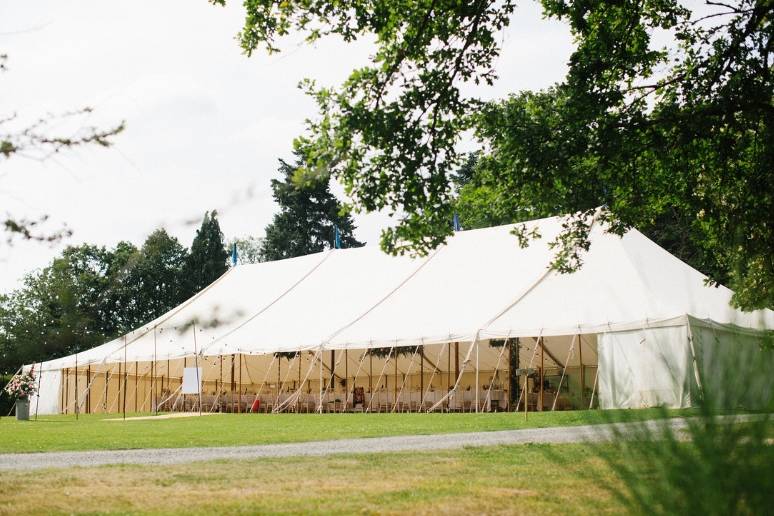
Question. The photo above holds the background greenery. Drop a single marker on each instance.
(91, 294)
(674, 139)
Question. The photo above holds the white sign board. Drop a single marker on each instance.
(192, 380)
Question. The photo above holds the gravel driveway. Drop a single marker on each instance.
(570, 434)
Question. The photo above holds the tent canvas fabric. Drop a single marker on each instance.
(480, 285)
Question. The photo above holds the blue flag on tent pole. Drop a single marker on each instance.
(234, 255)
(456, 223)
(336, 238)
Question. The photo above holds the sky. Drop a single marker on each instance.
(205, 125)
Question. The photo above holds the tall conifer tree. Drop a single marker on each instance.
(308, 214)
(208, 258)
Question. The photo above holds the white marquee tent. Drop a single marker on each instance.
(645, 318)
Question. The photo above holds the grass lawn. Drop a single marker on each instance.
(527, 479)
(92, 432)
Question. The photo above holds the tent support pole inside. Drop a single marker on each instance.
(231, 393)
(67, 390)
(105, 399)
(564, 371)
(477, 376)
(448, 375)
(542, 365)
(75, 408)
(124, 388)
(196, 365)
(136, 381)
(279, 380)
(37, 395)
(154, 383)
(320, 406)
(299, 381)
(346, 380)
(88, 393)
(395, 382)
(421, 376)
(582, 370)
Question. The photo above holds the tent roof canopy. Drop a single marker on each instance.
(480, 284)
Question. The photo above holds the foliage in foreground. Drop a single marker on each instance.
(717, 464)
(40, 139)
(713, 467)
(680, 134)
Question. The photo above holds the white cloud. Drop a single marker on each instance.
(205, 124)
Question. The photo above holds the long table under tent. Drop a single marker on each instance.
(480, 324)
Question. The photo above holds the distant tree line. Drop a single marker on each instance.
(91, 294)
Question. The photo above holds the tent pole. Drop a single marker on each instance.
(564, 370)
(196, 365)
(582, 369)
(88, 392)
(279, 380)
(231, 393)
(526, 397)
(67, 391)
(104, 401)
(488, 397)
(456, 359)
(421, 375)
(542, 364)
(465, 363)
(220, 376)
(370, 374)
(239, 398)
(154, 385)
(515, 381)
(529, 366)
(395, 387)
(379, 381)
(136, 380)
(62, 391)
(346, 380)
(320, 408)
(124, 388)
(448, 376)
(37, 403)
(478, 344)
(299, 379)
(119, 381)
(282, 382)
(509, 343)
(332, 382)
(75, 409)
(436, 369)
(406, 378)
(185, 397)
(594, 389)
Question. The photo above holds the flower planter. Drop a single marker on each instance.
(22, 410)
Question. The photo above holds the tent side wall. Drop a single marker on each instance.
(734, 365)
(46, 400)
(645, 368)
